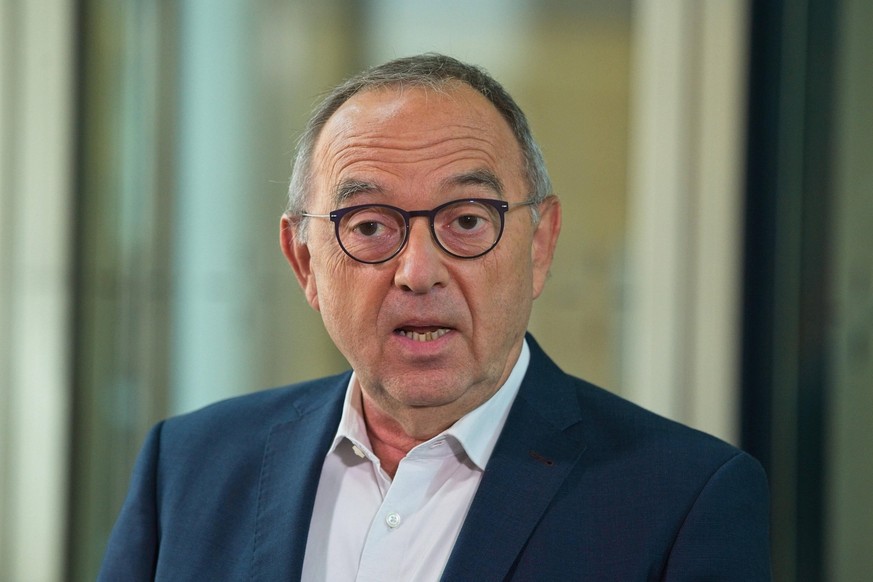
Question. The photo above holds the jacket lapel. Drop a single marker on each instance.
(539, 446)
(291, 467)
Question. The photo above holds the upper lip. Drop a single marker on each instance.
(422, 316)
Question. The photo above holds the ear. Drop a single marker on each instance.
(545, 238)
(297, 255)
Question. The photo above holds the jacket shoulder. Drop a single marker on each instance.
(264, 408)
(614, 427)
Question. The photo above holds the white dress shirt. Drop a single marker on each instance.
(366, 527)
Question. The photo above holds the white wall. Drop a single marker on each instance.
(681, 333)
(35, 188)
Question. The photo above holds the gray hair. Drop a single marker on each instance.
(432, 71)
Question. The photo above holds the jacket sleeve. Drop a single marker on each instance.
(725, 536)
(131, 553)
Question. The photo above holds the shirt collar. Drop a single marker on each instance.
(477, 431)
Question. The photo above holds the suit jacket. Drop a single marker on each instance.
(582, 485)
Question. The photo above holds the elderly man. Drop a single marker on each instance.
(421, 227)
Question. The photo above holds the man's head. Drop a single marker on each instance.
(430, 335)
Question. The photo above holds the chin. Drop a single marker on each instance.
(425, 389)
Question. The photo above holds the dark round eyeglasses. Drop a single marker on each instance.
(375, 233)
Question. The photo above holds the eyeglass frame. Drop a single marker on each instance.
(502, 207)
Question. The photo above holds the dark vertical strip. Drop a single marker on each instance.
(78, 398)
(815, 314)
(760, 216)
(789, 196)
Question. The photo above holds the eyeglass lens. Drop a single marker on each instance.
(376, 233)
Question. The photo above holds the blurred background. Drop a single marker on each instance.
(714, 159)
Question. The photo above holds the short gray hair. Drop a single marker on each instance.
(433, 71)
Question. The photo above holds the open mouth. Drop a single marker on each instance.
(423, 334)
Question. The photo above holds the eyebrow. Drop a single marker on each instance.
(350, 188)
(485, 178)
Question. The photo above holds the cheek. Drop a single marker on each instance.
(517, 268)
(348, 296)
(503, 293)
(331, 275)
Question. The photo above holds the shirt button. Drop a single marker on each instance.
(393, 519)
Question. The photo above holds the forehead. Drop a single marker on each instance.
(415, 133)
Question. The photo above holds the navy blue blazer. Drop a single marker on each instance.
(582, 485)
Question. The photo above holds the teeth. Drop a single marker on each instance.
(425, 337)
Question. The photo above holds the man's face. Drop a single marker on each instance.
(416, 149)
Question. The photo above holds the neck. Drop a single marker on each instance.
(388, 437)
(394, 430)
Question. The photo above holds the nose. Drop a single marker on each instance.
(421, 264)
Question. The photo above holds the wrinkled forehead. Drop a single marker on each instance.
(395, 110)
(411, 127)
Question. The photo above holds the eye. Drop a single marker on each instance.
(468, 221)
(467, 218)
(371, 223)
(370, 228)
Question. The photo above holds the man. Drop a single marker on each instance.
(421, 226)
